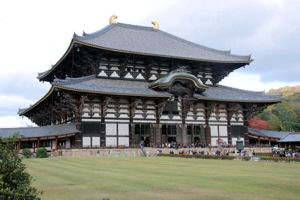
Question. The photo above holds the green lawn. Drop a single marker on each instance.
(163, 178)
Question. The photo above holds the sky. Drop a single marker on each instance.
(35, 34)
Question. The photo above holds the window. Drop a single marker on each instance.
(117, 134)
(169, 129)
(189, 130)
(237, 131)
(86, 141)
(194, 129)
(91, 127)
(142, 129)
(96, 141)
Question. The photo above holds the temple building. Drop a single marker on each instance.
(126, 84)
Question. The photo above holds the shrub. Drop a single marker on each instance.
(264, 154)
(246, 158)
(15, 182)
(279, 159)
(198, 156)
(41, 153)
(27, 153)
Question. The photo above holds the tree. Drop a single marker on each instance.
(258, 123)
(15, 183)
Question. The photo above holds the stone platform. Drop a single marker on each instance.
(137, 152)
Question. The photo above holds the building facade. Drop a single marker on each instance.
(125, 85)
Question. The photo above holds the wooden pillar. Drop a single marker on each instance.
(247, 113)
(38, 143)
(246, 137)
(158, 135)
(269, 142)
(56, 144)
(208, 110)
(19, 146)
(229, 116)
(258, 141)
(184, 134)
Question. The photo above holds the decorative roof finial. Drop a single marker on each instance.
(112, 19)
(156, 25)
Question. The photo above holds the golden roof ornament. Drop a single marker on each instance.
(156, 25)
(112, 19)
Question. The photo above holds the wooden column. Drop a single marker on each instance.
(246, 137)
(230, 110)
(158, 139)
(56, 144)
(160, 105)
(38, 143)
(208, 110)
(184, 134)
(19, 146)
(258, 141)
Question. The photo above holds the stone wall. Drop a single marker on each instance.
(136, 152)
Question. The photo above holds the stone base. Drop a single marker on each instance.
(137, 152)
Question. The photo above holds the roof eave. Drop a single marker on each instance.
(44, 75)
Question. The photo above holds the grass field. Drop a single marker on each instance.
(163, 178)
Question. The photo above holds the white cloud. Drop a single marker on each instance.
(11, 103)
(253, 82)
(15, 121)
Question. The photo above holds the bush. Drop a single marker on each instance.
(279, 159)
(27, 153)
(15, 182)
(264, 154)
(246, 158)
(41, 153)
(198, 156)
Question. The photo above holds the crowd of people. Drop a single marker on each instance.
(222, 152)
(286, 154)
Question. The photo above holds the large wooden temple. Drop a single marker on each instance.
(126, 84)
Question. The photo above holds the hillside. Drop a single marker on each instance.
(284, 116)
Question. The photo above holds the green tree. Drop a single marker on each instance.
(15, 183)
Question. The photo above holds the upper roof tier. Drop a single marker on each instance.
(146, 41)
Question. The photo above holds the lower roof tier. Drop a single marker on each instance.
(281, 136)
(53, 131)
(94, 85)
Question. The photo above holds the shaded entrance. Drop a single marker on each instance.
(146, 141)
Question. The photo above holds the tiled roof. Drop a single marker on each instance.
(140, 88)
(92, 84)
(146, 40)
(220, 92)
(42, 131)
(282, 136)
(292, 137)
(266, 133)
(109, 86)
